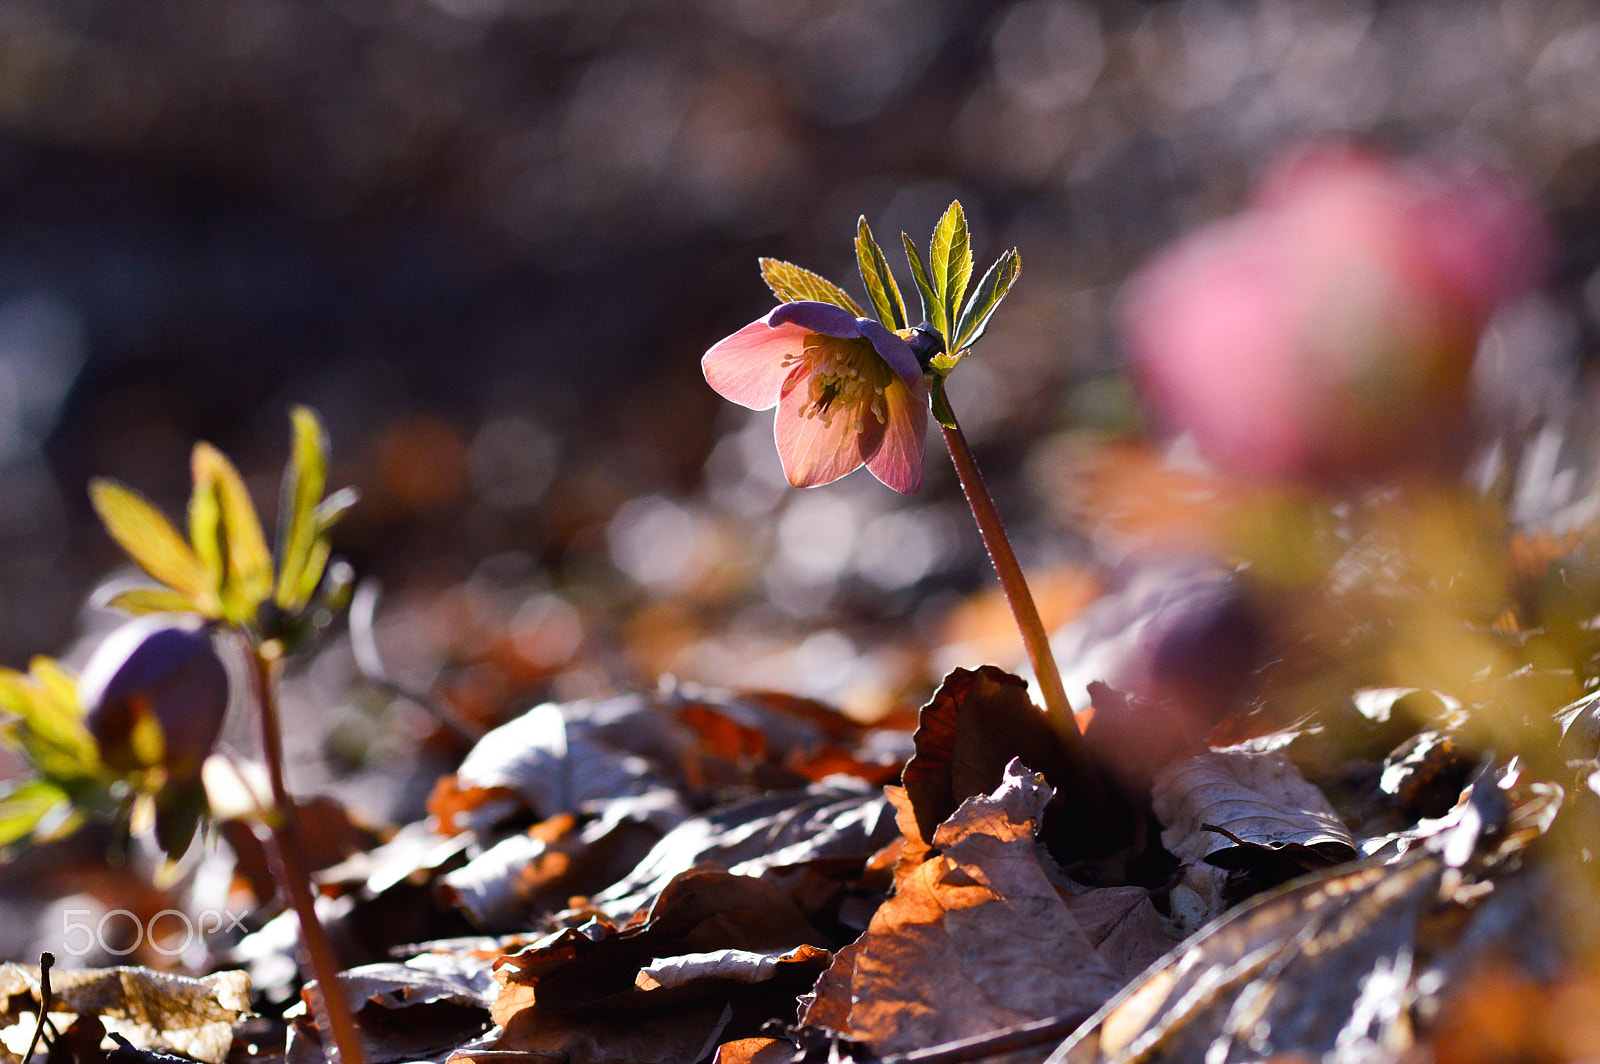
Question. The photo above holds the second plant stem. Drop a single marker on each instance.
(284, 847)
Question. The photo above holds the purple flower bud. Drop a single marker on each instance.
(155, 693)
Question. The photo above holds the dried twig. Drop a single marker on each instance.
(46, 960)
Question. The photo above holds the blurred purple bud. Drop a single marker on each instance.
(1178, 649)
(161, 671)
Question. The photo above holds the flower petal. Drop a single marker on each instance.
(815, 453)
(824, 318)
(747, 367)
(899, 458)
(892, 350)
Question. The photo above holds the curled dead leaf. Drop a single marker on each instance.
(981, 937)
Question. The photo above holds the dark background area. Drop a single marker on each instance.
(489, 239)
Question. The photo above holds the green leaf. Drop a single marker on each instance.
(940, 403)
(932, 309)
(49, 726)
(24, 804)
(148, 537)
(141, 600)
(878, 278)
(180, 809)
(990, 291)
(790, 282)
(950, 262)
(311, 575)
(56, 685)
(227, 534)
(303, 481)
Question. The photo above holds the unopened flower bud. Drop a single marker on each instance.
(155, 694)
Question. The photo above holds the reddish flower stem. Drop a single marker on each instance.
(1098, 806)
(1034, 638)
(284, 848)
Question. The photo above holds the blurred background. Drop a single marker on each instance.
(489, 240)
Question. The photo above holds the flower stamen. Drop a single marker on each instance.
(843, 375)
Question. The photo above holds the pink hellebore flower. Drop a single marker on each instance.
(848, 391)
(1328, 332)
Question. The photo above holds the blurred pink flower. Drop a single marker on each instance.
(848, 391)
(1329, 330)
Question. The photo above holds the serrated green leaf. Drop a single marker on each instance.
(148, 537)
(142, 600)
(932, 309)
(950, 262)
(992, 288)
(227, 534)
(24, 804)
(790, 283)
(303, 481)
(879, 279)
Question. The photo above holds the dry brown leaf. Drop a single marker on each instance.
(546, 761)
(754, 1051)
(738, 965)
(541, 870)
(834, 826)
(153, 1009)
(565, 994)
(975, 724)
(422, 1010)
(979, 937)
(1258, 799)
(576, 756)
(1327, 967)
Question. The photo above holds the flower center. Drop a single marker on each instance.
(845, 377)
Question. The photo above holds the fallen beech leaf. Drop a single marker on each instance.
(698, 912)
(564, 994)
(1324, 968)
(978, 937)
(755, 1051)
(156, 1010)
(836, 824)
(739, 965)
(1258, 800)
(539, 762)
(422, 1010)
(975, 724)
(576, 756)
(542, 869)
(800, 735)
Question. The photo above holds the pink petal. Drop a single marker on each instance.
(899, 458)
(747, 368)
(814, 453)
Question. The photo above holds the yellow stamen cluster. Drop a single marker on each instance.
(843, 375)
